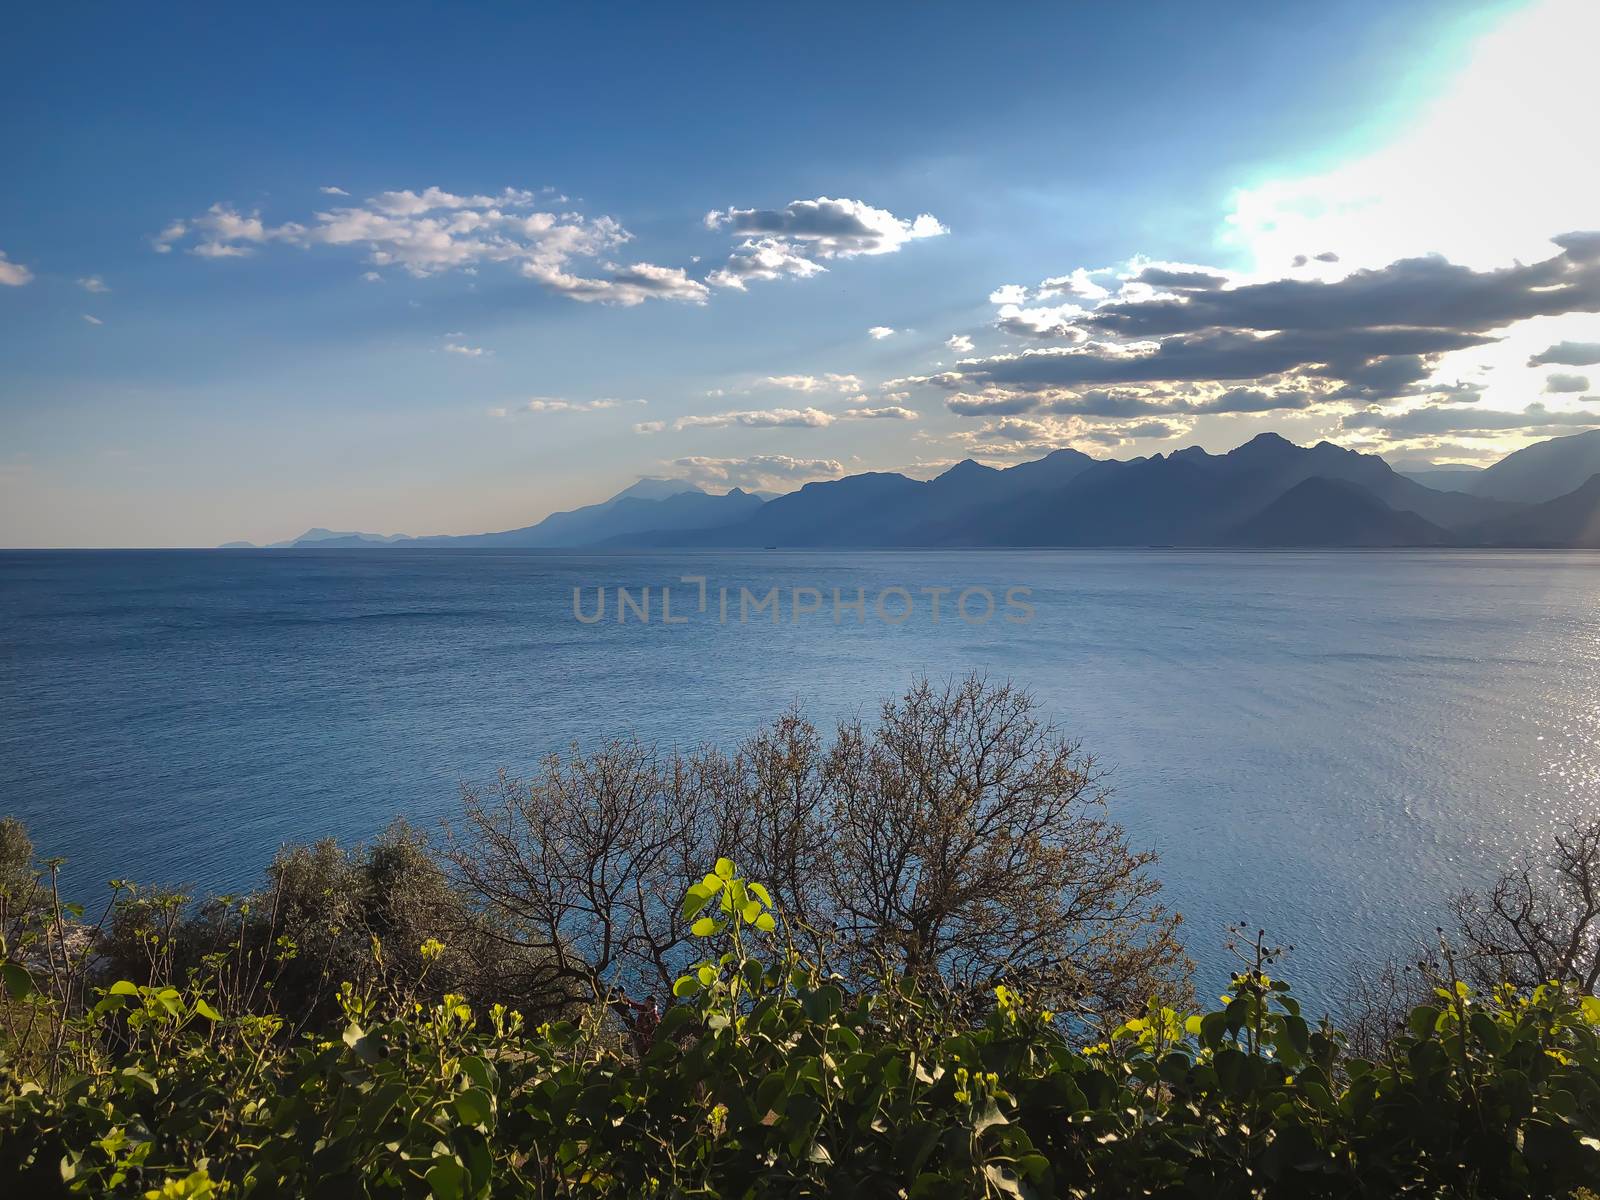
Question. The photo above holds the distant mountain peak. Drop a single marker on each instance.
(967, 467)
(1264, 443)
(650, 487)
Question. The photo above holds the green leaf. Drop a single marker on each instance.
(206, 1011)
(704, 927)
(474, 1106)
(19, 984)
(696, 898)
(765, 923)
(447, 1179)
(750, 911)
(761, 893)
(122, 987)
(707, 975)
(687, 985)
(724, 868)
(712, 884)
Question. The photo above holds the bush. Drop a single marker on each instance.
(770, 1079)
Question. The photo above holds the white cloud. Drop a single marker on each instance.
(333, 191)
(93, 283)
(762, 418)
(13, 274)
(812, 383)
(1047, 322)
(466, 351)
(878, 332)
(959, 342)
(892, 412)
(435, 231)
(93, 320)
(798, 238)
(546, 404)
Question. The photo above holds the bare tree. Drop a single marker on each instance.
(1537, 927)
(960, 839)
(587, 862)
(970, 842)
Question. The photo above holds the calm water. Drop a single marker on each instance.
(1327, 744)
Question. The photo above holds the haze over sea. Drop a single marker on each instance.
(1326, 744)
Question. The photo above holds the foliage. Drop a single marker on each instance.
(767, 1077)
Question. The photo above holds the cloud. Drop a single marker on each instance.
(1430, 420)
(93, 283)
(1181, 277)
(1568, 354)
(878, 332)
(760, 472)
(433, 231)
(550, 404)
(892, 412)
(1254, 400)
(959, 342)
(1178, 339)
(1561, 381)
(13, 274)
(763, 418)
(93, 320)
(333, 191)
(467, 351)
(1423, 293)
(799, 238)
(812, 383)
(1058, 322)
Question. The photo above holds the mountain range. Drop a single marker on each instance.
(1267, 492)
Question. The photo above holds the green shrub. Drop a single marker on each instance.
(766, 1077)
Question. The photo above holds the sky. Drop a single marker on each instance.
(427, 268)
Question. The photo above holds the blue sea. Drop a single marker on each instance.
(1324, 744)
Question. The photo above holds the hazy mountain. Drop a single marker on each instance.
(1570, 520)
(1441, 479)
(1542, 471)
(1331, 512)
(334, 538)
(650, 504)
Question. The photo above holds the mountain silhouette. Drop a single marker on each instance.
(1572, 520)
(1330, 512)
(1266, 492)
(1542, 471)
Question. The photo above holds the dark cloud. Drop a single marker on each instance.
(998, 404)
(1328, 256)
(1200, 281)
(1150, 429)
(1253, 400)
(1414, 292)
(1561, 381)
(1568, 354)
(1101, 403)
(1221, 356)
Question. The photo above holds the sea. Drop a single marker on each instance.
(1324, 745)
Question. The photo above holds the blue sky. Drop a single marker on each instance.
(661, 237)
